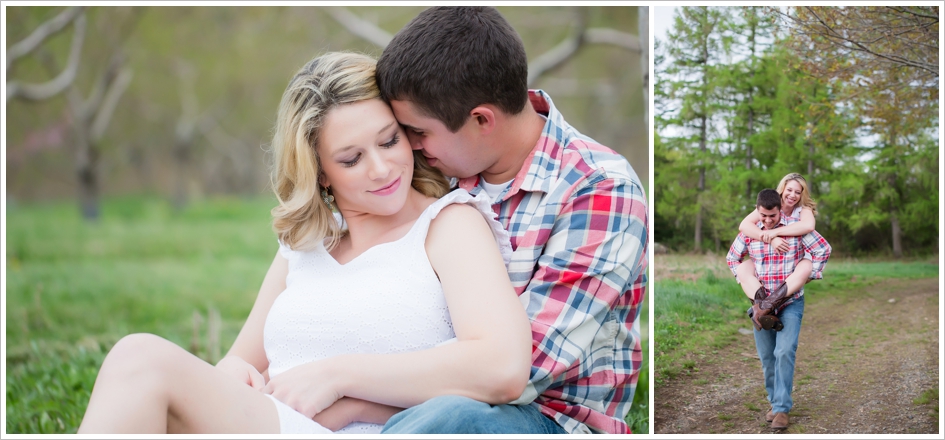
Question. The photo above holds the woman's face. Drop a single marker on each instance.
(365, 159)
(791, 195)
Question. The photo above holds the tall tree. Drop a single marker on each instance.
(695, 46)
(887, 59)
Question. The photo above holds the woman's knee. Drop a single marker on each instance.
(138, 356)
(745, 270)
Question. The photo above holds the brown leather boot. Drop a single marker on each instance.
(755, 313)
(770, 415)
(777, 298)
(780, 421)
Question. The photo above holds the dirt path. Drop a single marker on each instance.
(860, 365)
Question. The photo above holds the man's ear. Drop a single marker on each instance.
(484, 117)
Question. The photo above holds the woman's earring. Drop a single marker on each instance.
(328, 198)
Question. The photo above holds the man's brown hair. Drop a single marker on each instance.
(769, 199)
(448, 60)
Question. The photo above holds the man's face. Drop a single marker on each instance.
(455, 154)
(770, 217)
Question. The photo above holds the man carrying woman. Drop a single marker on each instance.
(776, 311)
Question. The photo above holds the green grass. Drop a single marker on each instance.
(74, 288)
(927, 396)
(692, 318)
(639, 416)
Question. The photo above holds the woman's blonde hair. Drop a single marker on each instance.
(805, 200)
(302, 218)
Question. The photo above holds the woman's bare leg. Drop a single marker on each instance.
(748, 279)
(799, 277)
(150, 385)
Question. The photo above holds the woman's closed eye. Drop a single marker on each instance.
(393, 141)
(348, 163)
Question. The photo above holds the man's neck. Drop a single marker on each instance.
(517, 137)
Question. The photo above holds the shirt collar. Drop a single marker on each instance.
(537, 171)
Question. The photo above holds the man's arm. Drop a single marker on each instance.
(592, 267)
(737, 252)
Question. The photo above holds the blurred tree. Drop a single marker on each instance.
(241, 58)
(91, 115)
(30, 44)
(696, 46)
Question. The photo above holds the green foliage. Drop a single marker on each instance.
(868, 147)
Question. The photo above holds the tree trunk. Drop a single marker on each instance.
(896, 232)
(86, 170)
(751, 110)
(701, 187)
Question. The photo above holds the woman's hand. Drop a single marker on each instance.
(308, 388)
(236, 367)
(780, 244)
(769, 234)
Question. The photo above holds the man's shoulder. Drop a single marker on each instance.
(581, 158)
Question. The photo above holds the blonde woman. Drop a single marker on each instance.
(798, 211)
(403, 298)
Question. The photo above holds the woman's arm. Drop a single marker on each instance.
(749, 225)
(490, 360)
(249, 343)
(802, 227)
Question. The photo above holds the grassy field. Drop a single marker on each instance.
(699, 307)
(73, 289)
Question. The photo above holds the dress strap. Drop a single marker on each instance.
(482, 204)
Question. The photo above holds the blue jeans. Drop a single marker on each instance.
(462, 415)
(777, 351)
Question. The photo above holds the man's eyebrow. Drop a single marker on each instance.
(409, 127)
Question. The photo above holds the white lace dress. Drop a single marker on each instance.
(386, 300)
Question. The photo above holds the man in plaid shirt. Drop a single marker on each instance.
(575, 211)
(777, 345)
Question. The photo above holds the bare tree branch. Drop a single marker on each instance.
(107, 108)
(41, 33)
(614, 37)
(359, 27)
(903, 10)
(832, 34)
(538, 67)
(38, 92)
(562, 52)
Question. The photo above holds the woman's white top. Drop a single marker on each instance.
(386, 300)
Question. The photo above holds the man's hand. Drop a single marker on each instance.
(236, 367)
(340, 414)
(308, 388)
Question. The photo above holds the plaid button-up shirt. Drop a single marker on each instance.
(773, 267)
(576, 213)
